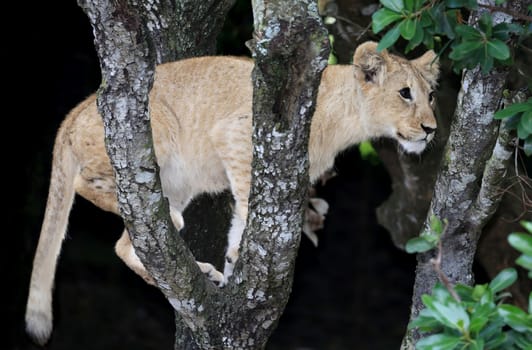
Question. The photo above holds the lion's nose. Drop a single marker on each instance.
(428, 129)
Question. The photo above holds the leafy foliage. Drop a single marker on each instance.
(476, 317)
(523, 243)
(440, 24)
(519, 117)
(477, 321)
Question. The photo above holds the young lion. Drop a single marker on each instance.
(201, 111)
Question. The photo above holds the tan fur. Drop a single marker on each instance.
(201, 112)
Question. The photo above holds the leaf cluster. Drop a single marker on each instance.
(476, 317)
(440, 23)
(523, 243)
(479, 320)
(519, 116)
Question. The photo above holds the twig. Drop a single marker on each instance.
(507, 11)
(436, 264)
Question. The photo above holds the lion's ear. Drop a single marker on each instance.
(370, 65)
(429, 66)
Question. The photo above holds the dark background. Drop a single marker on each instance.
(351, 292)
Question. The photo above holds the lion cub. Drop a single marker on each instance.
(201, 110)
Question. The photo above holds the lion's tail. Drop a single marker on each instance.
(60, 200)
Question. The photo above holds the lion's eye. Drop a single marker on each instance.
(431, 96)
(405, 93)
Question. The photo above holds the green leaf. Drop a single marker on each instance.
(448, 23)
(521, 242)
(438, 342)
(503, 30)
(451, 314)
(367, 152)
(382, 18)
(480, 316)
(441, 294)
(441, 17)
(486, 62)
(492, 329)
(452, 21)
(409, 5)
(485, 24)
(418, 245)
(527, 225)
(436, 224)
(465, 292)
(467, 32)
(526, 121)
(464, 50)
(416, 39)
(477, 344)
(516, 318)
(426, 20)
(407, 28)
(521, 132)
(389, 38)
(425, 321)
(503, 280)
(479, 290)
(526, 262)
(394, 5)
(514, 109)
(498, 49)
(495, 341)
(418, 4)
(523, 341)
(428, 40)
(332, 59)
(528, 146)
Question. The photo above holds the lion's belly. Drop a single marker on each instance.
(183, 179)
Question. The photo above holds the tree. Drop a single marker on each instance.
(474, 164)
(130, 39)
(139, 33)
(463, 178)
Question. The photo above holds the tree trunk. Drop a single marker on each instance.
(466, 192)
(291, 52)
(173, 30)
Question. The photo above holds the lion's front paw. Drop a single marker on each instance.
(177, 218)
(214, 275)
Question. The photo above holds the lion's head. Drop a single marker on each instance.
(398, 95)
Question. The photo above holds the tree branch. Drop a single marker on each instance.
(127, 67)
(470, 154)
(491, 193)
(507, 11)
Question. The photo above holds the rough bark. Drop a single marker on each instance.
(171, 30)
(291, 51)
(466, 192)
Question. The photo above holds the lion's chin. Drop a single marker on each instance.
(415, 147)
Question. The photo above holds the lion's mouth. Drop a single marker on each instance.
(427, 138)
(410, 145)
